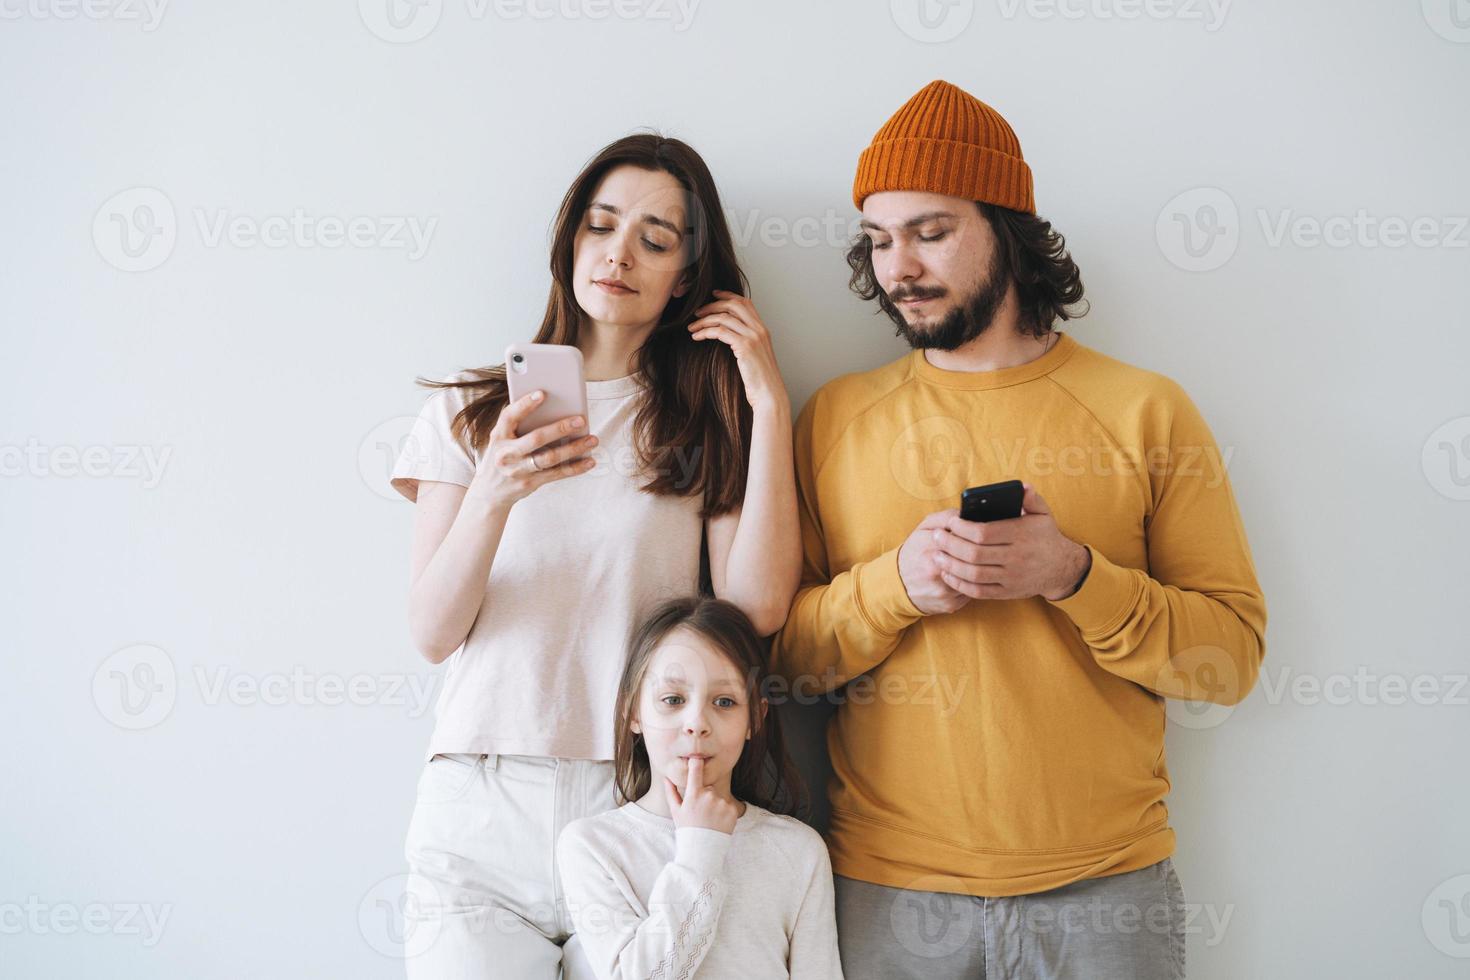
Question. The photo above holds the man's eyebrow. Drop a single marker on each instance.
(916, 220)
(647, 218)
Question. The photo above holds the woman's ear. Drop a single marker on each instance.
(634, 726)
(682, 286)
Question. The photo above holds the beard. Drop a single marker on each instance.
(968, 320)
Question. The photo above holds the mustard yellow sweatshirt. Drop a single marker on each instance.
(1013, 746)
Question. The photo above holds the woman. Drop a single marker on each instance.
(532, 564)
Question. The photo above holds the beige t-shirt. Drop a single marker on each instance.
(582, 560)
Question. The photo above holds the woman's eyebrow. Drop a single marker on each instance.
(647, 218)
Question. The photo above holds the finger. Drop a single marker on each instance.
(968, 573)
(552, 431)
(696, 777)
(721, 320)
(982, 532)
(547, 459)
(940, 518)
(738, 309)
(976, 554)
(719, 333)
(962, 587)
(671, 794)
(515, 412)
(1033, 502)
(572, 468)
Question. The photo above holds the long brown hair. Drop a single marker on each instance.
(764, 774)
(694, 417)
(1031, 252)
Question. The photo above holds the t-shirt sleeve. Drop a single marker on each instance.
(430, 451)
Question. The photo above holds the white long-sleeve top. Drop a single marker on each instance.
(652, 902)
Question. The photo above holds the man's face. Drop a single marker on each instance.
(938, 261)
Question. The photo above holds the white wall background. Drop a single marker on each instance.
(259, 558)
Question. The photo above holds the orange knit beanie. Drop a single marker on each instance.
(947, 141)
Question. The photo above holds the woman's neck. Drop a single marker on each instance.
(610, 351)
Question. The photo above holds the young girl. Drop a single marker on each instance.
(699, 873)
(532, 563)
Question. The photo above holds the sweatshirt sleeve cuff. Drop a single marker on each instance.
(1107, 595)
(701, 850)
(881, 596)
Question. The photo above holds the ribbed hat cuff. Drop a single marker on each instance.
(955, 169)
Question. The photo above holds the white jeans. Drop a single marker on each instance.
(484, 897)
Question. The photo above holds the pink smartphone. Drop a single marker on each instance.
(555, 369)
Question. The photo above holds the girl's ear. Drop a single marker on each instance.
(634, 726)
(682, 286)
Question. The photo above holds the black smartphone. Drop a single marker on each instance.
(992, 502)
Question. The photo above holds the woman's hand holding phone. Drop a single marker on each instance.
(513, 465)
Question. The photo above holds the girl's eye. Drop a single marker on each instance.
(655, 246)
(933, 238)
(880, 246)
(598, 229)
(672, 699)
(725, 702)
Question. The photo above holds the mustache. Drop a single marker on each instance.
(916, 292)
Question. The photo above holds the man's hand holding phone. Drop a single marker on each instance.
(948, 560)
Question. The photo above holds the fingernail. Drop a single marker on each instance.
(576, 423)
(535, 396)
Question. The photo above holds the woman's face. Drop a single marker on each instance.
(693, 702)
(630, 249)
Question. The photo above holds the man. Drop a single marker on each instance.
(998, 746)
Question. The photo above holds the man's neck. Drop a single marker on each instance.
(609, 350)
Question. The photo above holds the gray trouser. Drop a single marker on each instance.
(1120, 927)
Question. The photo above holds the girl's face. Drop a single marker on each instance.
(630, 250)
(693, 702)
